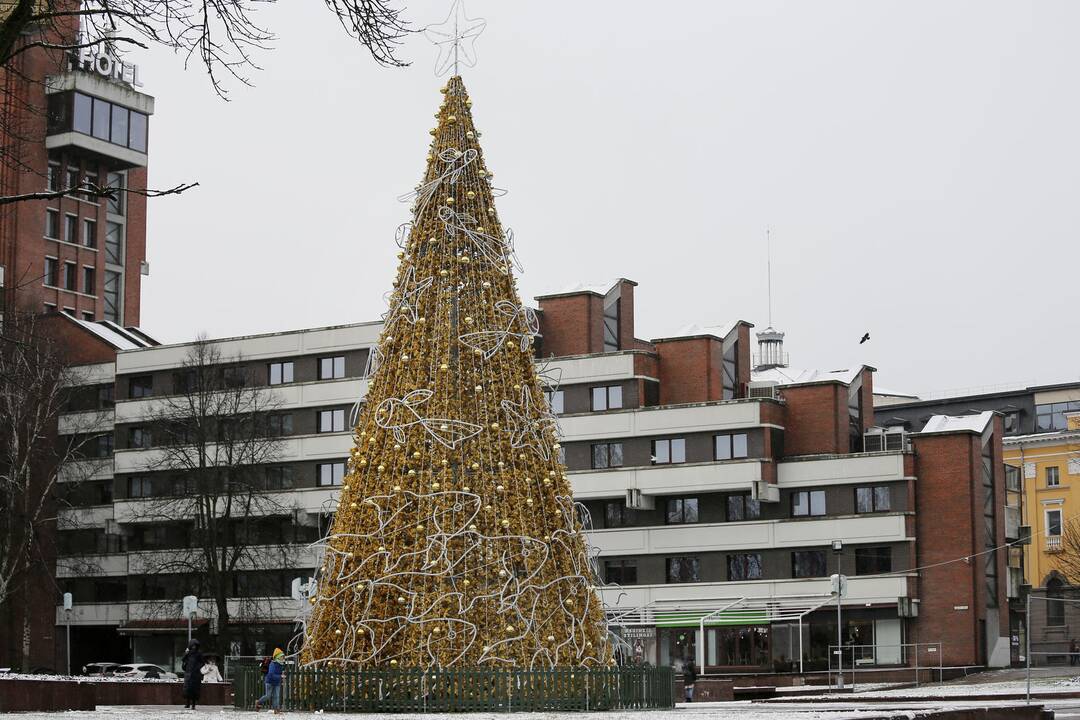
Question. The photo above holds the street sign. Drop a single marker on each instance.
(67, 601)
(839, 585)
(191, 604)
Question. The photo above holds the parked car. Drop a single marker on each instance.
(143, 670)
(100, 668)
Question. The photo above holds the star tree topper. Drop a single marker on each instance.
(456, 39)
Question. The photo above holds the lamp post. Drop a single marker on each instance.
(68, 604)
(191, 604)
(839, 586)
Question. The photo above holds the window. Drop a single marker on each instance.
(72, 178)
(742, 507)
(281, 372)
(50, 308)
(330, 421)
(606, 455)
(682, 510)
(52, 224)
(683, 569)
(140, 386)
(89, 236)
(279, 477)
(234, 376)
(105, 396)
(1051, 416)
(137, 132)
(139, 437)
(112, 296)
(90, 182)
(807, 502)
(82, 115)
(332, 368)
(744, 566)
(119, 133)
(620, 572)
(71, 276)
(69, 311)
(1055, 605)
(665, 452)
(875, 498)
(329, 473)
(52, 180)
(808, 563)
(616, 514)
(555, 401)
(607, 398)
(1053, 476)
(873, 560)
(114, 243)
(116, 202)
(1053, 522)
(102, 111)
(1010, 422)
(52, 271)
(279, 424)
(139, 487)
(103, 445)
(88, 281)
(730, 447)
(88, 315)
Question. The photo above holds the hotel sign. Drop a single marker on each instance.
(99, 60)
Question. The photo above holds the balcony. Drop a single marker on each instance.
(1053, 543)
(876, 590)
(667, 420)
(82, 423)
(752, 535)
(858, 469)
(98, 117)
(735, 476)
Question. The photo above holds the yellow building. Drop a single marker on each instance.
(1049, 465)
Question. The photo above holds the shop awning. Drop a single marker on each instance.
(729, 611)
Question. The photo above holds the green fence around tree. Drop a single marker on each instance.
(463, 690)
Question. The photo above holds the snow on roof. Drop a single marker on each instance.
(958, 423)
(793, 376)
(600, 288)
(719, 330)
(113, 334)
(878, 390)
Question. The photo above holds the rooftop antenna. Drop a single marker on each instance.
(768, 265)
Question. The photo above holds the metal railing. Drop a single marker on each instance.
(852, 654)
(456, 690)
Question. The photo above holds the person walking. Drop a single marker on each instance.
(689, 675)
(272, 683)
(210, 672)
(1074, 652)
(192, 665)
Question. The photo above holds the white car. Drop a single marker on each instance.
(143, 670)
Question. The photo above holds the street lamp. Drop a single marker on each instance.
(68, 604)
(839, 587)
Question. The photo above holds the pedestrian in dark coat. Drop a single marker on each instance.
(192, 665)
(689, 678)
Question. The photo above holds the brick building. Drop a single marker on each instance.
(73, 122)
(721, 497)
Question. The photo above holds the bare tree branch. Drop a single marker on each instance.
(90, 190)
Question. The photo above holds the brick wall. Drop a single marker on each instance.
(816, 419)
(689, 369)
(572, 324)
(949, 502)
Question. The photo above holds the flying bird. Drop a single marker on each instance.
(864, 338)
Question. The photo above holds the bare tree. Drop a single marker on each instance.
(221, 36)
(1067, 561)
(36, 383)
(212, 441)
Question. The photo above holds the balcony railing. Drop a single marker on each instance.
(1053, 543)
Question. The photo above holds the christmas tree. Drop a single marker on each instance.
(456, 541)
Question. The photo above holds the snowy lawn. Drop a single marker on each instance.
(695, 711)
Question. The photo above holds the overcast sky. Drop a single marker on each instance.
(918, 163)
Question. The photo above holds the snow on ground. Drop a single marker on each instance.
(695, 711)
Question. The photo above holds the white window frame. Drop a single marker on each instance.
(1061, 520)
